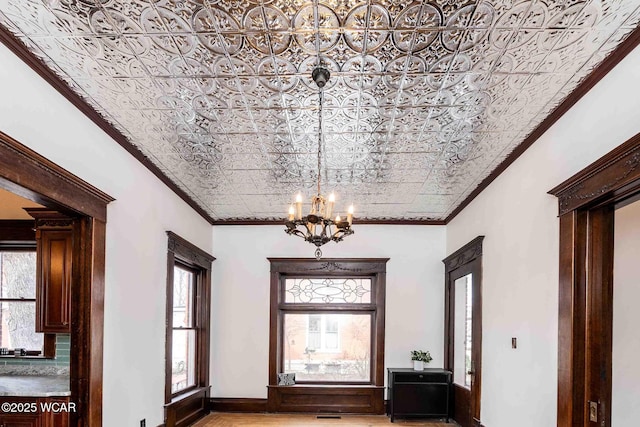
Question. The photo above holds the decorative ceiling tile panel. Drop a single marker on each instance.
(424, 101)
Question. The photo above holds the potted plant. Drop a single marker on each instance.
(419, 358)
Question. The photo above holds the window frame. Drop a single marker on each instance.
(23, 231)
(185, 255)
(287, 268)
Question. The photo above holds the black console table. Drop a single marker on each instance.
(419, 394)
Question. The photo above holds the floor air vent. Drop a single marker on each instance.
(328, 417)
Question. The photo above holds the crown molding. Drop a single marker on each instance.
(37, 65)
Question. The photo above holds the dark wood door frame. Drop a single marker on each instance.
(467, 259)
(585, 320)
(28, 174)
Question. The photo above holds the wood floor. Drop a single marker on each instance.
(218, 419)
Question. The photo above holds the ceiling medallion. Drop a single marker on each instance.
(318, 227)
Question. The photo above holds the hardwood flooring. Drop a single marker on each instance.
(219, 419)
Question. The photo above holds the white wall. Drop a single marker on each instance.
(626, 317)
(36, 115)
(240, 312)
(520, 251)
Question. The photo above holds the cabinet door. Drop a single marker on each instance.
(54, 280)
(30, 420)
(429, 400)
(58, 416)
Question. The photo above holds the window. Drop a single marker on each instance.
(322, 345)
(184, 334)
(18, 302)
(330, 320)
(188, 302)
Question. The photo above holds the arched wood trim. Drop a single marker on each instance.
(586, 204)
(25, 172)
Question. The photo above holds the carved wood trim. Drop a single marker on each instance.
(49, 218)
(188, 251)
(586, 204)
(464, 255)
(30, 175)
(603, 178)
(331, 266)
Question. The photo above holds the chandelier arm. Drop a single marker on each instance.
(296, 232)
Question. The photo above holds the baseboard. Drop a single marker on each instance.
(226, 404)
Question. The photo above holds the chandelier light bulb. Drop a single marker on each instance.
(299, 206)
(292, 212)
(350, 215)
(329, 207)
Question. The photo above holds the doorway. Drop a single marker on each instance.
(33, 177)
(587, 205)
(463, 330)
(625, 389)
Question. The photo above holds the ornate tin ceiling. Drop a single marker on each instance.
(425, 99)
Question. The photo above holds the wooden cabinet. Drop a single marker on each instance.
(419, 394)
(20, 420)
(54, 237)
(35, 412)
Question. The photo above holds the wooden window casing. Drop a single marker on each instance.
(189, 404)
(355, 397)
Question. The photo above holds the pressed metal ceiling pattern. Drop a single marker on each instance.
(425, 98)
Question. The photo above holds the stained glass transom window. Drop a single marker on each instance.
(328, 291)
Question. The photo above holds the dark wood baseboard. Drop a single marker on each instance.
(226, 404)
(324, 399)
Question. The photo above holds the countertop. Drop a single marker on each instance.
(34, 385)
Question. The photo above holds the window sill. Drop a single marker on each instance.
(331, 386)
(12, 357)
(187, 395)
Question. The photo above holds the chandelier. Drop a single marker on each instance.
(318, 227)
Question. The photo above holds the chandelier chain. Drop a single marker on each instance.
(320, 99)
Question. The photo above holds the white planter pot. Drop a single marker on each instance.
(418, 365)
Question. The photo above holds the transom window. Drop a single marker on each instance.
(330, 321)
(328, 290)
